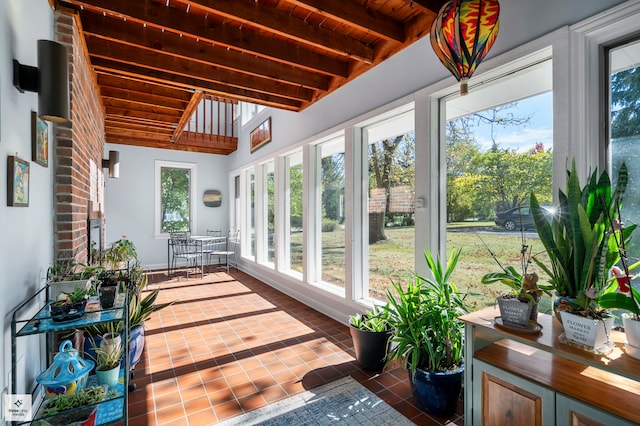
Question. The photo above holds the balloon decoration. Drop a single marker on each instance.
(462, 34)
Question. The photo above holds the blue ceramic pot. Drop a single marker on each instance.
(437, 392)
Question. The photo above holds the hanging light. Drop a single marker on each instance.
(462, 34)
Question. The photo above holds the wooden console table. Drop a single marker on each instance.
(533, 379)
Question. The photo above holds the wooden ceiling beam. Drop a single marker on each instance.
(429, 5)
(139, 86)
(151, 116)
(119, 131)
(274, 20)
(137, 35)
(207, 86)
(356, 14)
(150, 143)
(139, 97)
(162, 17)
(142, 107)
(124, 126)
(117, 120)
(107, 49)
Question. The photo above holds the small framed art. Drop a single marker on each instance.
(39, 140)
(261, 134)
(17, 182)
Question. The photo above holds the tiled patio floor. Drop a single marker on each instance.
(231, 344)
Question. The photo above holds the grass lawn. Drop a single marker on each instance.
(392, 259)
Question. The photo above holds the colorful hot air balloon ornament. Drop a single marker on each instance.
(462, 34)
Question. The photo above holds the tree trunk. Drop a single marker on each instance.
(376, 227)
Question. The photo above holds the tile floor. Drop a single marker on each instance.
(230, 344)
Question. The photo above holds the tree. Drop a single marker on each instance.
(333, 186)
(175, 184)
(625, 103)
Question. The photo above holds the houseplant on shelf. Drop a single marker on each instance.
(70, 306)
(520, 306)
(370, 333)
(581, 244)
(78, 407)
(428, 337)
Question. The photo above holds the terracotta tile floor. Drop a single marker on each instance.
(231, 344)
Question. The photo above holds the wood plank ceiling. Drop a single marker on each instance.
(151, 58)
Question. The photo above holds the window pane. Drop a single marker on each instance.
(269, 179)
(294, 211)
(390, 203)
(498, 150)
(625, 130)
(175, 199)
(251, 211)
(332, 226)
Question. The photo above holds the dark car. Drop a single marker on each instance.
(518, 218)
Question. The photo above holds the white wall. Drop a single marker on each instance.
(26, 237)
(130, 199)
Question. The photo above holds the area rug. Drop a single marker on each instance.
(344, 401)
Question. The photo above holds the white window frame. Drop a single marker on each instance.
(193, 173)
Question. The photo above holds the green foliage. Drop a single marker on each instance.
(424, 317)
(332, 170)
(625, 99)
(329, 225)
(579, 240)
(81, 398)
(175, 196)
(376, 320)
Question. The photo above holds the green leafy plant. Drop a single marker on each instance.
(426, 331)
(580, 240)
(376, 320)
(87, 396)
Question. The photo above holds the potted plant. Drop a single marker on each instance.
(108, 364)
(520, 306)
(581, 244)
(70, 306)
(76, 407)
(427, 336)
(370, 333)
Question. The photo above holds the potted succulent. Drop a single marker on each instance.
(580, 241)
(70, 306)
(428, 337)
(80, 406)
(370, 333)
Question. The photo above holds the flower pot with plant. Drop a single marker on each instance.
(80, 406)
(580, 241)
(370, 333)
(70, 306)
(428, 337)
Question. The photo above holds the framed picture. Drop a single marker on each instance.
(17, 182)
(261, 134)
(39, 140)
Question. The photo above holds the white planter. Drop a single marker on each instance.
(514, 312)
(586, 331)
(57, 287)
(632, 333)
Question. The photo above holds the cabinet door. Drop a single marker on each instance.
(503, 399)
(571, 412)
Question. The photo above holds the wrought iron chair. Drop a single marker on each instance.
(228, 249)
(184, 248)
(173, 236)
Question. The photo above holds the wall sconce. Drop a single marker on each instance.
(113, 164)
(50, 80)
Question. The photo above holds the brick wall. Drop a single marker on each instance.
(78, 149)
(400, 200)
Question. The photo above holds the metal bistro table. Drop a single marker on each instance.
(202, 242)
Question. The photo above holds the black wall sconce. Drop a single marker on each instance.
(113, 164)
(50, 79)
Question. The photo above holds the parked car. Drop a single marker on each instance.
(518, 218)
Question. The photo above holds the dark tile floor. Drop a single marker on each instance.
(230, 344)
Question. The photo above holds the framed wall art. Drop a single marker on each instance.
(17, 182)
(261, 134)
(39, 140)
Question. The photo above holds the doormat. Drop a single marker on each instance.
(343, 401)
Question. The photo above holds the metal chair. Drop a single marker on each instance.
(184, 248)
(173, 236)
(228, 250)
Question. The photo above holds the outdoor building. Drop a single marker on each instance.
(311, 202)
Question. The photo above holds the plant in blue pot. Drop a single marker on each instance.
(427, 335)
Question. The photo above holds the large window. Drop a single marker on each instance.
(331, 212)
(624, 129)
(175, 195)
(250, 219)
(269, 182)
(293, 211)
(390, 207)
(499, 149)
